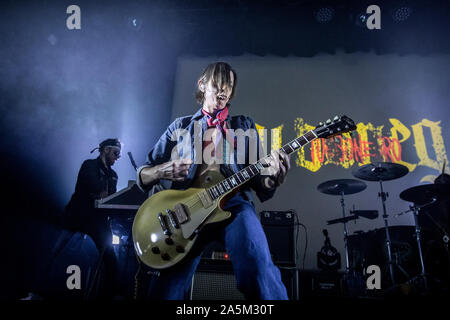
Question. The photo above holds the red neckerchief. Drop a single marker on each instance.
(218, 121)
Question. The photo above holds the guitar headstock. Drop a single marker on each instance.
(334, 127)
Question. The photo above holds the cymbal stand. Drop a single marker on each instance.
(415, 210)
(419, 246)
(347, 264)
(383, 195)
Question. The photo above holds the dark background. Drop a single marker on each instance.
(63, 91)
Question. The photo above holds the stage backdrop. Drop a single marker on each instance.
(401, 105)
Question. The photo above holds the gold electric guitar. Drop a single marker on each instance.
(167, 224)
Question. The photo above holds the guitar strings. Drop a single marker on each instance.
(196, 200)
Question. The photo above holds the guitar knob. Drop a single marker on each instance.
(155, 250)
(169, 241)
(165, 256)
(179, 249)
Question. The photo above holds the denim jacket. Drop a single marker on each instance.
(162, 152)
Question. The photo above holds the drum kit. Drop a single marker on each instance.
(421, 197)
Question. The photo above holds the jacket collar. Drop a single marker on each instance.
(198, 115)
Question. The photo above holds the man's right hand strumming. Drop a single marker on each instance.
(175, 170)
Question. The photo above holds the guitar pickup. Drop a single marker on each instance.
(206, 199)
(163, 223)
(181, 213)
(173, 219)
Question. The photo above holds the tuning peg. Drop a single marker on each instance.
(328, 121)
(320, 124)
(336, 118)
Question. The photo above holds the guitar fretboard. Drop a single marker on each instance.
(244, 175)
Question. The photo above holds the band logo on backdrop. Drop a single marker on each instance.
(421, 144)
(370, 143)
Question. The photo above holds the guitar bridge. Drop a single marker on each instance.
(163, 223)
(181, 213)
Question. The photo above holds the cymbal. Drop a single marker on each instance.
(383, 171)
(336, 187)
(426, 193)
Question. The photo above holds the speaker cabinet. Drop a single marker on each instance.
(216, 281)
(279, 227)
(281, 242)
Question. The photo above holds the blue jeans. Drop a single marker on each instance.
(256, 275)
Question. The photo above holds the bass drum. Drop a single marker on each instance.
(369, 248)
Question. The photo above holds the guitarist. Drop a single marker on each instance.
(256, 275)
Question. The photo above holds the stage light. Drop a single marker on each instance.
(134, 23)
(115, 239)
(324, 14)
(360, 19)
(401, 13)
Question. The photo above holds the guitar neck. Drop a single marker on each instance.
(239, 178)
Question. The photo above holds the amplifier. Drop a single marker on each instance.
(215, 280)
(215, 251)
(279, 227)
(277, 218)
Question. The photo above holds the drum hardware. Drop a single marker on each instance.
(383, 171)
(368, 248)
(415, 210)
(424, 196)
(368, 214)
(342, 187)
(445, 235)
(342, 220)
